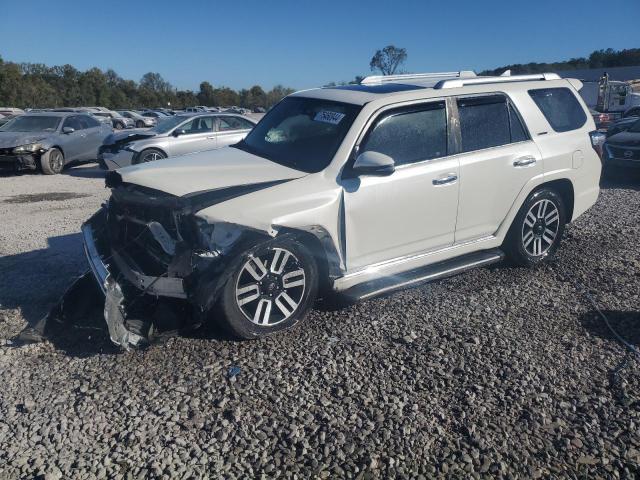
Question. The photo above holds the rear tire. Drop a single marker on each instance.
(150, 155)
(536, 232)
(270, 288)
(52, 162)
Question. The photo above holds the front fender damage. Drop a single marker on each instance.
(142, 306)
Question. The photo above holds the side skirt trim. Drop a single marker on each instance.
(429, 273)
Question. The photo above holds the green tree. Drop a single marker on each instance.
(388, 59)
(207, 95)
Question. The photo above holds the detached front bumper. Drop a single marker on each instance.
(105, 262)
(16, 163)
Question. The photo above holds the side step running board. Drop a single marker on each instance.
(424, 274)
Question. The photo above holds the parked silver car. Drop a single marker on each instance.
(50, 140)
(139, 120)
(118, 121)
(177, 135)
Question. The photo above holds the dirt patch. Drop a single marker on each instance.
(45, 197)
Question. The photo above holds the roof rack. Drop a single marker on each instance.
(457, 83)
(413, 77)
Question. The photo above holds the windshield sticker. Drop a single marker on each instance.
(326, 116)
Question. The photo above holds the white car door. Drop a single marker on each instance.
(498, 159)
(413, 210)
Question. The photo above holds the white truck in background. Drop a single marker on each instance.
(610, 100)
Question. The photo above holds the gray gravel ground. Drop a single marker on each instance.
(498, 373)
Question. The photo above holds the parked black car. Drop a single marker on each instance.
(622, 149)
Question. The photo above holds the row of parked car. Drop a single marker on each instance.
(49, 140)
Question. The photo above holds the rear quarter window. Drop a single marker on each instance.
(560, 107)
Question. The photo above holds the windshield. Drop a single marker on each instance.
(32, 124)
(301, 133)
(635, 128)
(167, 123)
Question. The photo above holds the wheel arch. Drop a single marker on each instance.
(321, 246)
(136, 156)
(64, 156)
(564, 188)
(59, 148)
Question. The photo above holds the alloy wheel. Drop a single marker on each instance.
(152, 157)
(540, 227)
(270, 287)
(56, 160)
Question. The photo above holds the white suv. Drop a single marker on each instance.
(358, 189)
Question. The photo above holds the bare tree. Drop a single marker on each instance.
(388, 59)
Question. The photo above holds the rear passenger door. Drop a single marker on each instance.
(498, 158)
(232, 129)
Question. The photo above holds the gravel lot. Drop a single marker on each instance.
(498, 373)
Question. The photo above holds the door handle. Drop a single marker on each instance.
(524, 161)
(447, 179)
(211, 138)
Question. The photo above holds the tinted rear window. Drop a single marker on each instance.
(560, 107)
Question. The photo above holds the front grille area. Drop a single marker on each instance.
(130, 236)
(620, 152)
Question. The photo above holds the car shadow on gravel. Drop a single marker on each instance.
(623, 326)
(85, 171)
(34, 281)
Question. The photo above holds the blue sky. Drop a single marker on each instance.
(305, 44)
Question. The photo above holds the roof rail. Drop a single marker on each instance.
(457, 83)
(412, 77)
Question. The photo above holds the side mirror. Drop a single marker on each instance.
(68, 130)
(374, 163)
(179, 131)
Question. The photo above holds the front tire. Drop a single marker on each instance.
(52, 162)
(118, 126)
(536, 232)
(150, 155)
(271, 288)
(139, 124)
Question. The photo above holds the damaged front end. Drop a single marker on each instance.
(115, 152)
(146, 245)
(20, 158)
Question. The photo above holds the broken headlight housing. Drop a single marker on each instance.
(29, 148)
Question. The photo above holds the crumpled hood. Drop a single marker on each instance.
(15, 139)
(208, 170)
(629, 139)
(128, 136)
